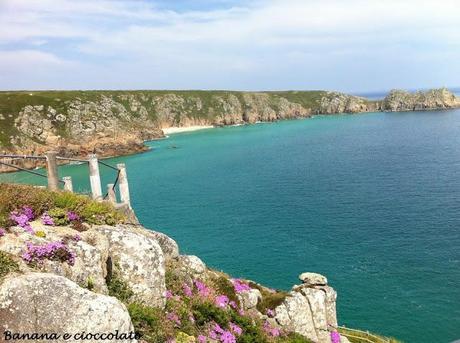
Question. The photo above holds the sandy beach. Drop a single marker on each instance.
(170, 130)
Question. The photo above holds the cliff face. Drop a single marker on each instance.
(435, 99)
(139, 266)
(112, 123)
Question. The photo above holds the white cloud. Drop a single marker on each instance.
(258, 44)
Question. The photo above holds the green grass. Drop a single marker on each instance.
(359, 336)
(7, 265)
(14, 197)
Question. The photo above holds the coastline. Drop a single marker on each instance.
(177, 129)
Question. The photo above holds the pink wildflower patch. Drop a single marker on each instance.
(227, 337)
(233, 305)
(270, 313)
(47, 220)
(72, 216)
(201, 339)
(54, 251)
(240, 286)
(2, 232)
(222, 301)
(187, 290)
(28, 212)
(77, 238)
(271, 331)
(335, 337)
(168, 294)
(235, 329)
(21, 220)
(203, 290)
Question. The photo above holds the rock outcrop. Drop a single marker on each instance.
(435, 99)
(44, 303)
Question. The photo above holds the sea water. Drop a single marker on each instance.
(372, 201)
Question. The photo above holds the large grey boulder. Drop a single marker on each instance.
(47, 303)
(191, 265)
(139, 261)
(167, 244)
(310, 309)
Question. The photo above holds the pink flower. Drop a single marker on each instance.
(187, 290)
(240, 286)
(270, 313)
(2, 232)
(235, 329)
(218, 329)
(47, 220)
(233, 305)
(271, 331)
(222, 301)
(22, 220)
(335, 337)
(168, 294)
(77, 238)
(201, 339)
(202, 288)
(227, 337)
(28, 212)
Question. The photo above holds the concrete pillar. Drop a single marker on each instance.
(52, 170)
(68, 186)
(94, 177)
(123, 182)
(111, 194)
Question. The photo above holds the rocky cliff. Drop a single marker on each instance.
(113, 123)
(60, 275)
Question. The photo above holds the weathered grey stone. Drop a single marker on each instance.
(313, 279)
(140, 261)
(294, 314)
(191, 265)
(167, 244)
(46, 303)
(249, 299)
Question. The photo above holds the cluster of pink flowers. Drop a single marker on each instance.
(271, 331)
(222, 301)
(187, 290)
(240, 286)
(77, 238)
(270, 313)
(224, 336)
(203, 290)
(47, 220)
(2, 232)
(56, 251)
(72, 216)
(335, 337)
(22, 218)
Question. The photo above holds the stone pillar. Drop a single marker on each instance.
(111, 194)
(94, 177)
(68, 186)
(52, 170)
(123, 182)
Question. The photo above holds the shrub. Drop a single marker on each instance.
(54, 251)
(224, 286)
(57, 204)
(7, 265)
(59, 216)
(118, 288)
(151, 323)
(270, 300)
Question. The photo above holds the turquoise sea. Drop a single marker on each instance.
(371, 200)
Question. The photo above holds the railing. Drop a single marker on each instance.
(51, 160)
(362, 336)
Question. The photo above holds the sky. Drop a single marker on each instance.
(344, 45)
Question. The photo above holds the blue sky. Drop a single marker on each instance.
(346, 45)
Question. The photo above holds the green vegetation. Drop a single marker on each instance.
(57, 204)
(270, 300)
(196, 104)
(118, 288)
(358, 336)
(150, 322)
(7, 265)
